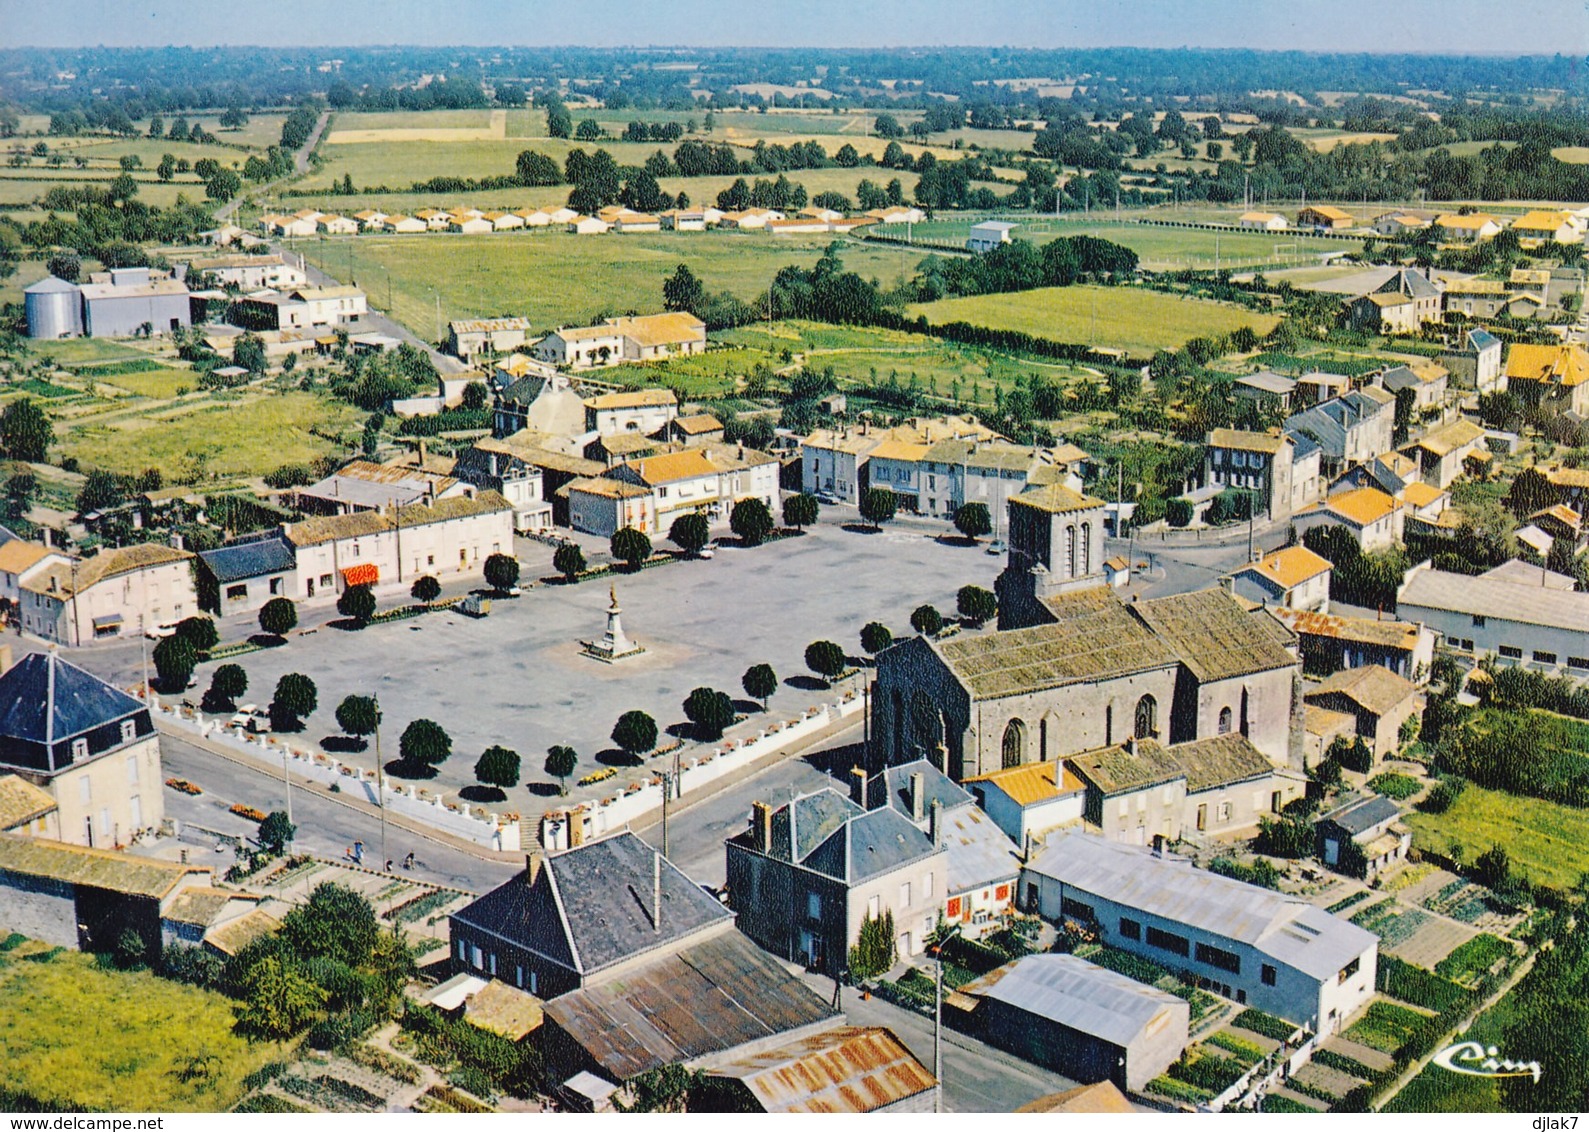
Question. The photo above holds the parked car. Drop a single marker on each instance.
(828, 497)
(707, 551)
(249, 717)
(161, 631)
(997, 546)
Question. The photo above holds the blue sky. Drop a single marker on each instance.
(1432, 26)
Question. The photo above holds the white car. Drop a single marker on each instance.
(250, 718)
(161, 631)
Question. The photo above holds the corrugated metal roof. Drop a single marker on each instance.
(706, 999)
(1080, 995)
(848, 1069)
(1489, 597)
(1285, 928)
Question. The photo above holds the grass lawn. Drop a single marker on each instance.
(1546, 841)
(558, 279)
(70, 353)
(1136, 320)
(163, 383)
(75, 1035)
(235, 436)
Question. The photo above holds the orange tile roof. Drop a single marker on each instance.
(19, 554)
(1363, 506)
(1290, 567)
(1032, 783)
(689, 464)
(1558, 365)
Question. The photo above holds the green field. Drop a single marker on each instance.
(244, 435)
(1120, 317)
(83, 1038)
(857, 356)
(1547, 842)
(162, 384)
(557, 279)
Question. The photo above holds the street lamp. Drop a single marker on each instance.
(937, 1020)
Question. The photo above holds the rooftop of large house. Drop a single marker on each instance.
(1220, 760)
(249, 559)
(45, 700)
(1286, 928)
(1457, 434)
(1360, 506)
(359, 524)
(22, 802)
(64, 579)
(1241, 440)
(1288, 567)
(1566, 365)
(632, 399)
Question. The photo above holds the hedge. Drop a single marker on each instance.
(1266, 1024)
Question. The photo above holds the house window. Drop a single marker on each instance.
(926, 886)
(80, 751)
(1511, 651)
(1224, 720)
(275, 586)
(1478, 621)
(132, 770)
(1577, 662)
(238, 593)
(1168, 941)
(904, 895)
(325, 581)
(1349, 970)
(1219, 957)
(1268, 975)
(1130, 929)
(84, 790)
(874, 907)
(129, 732)
(814, 905)
(1543, 657)
(1076, 908)
(1147, 720)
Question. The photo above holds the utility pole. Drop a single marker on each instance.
(667, 794)
(380, 788)
(143, 651)
(937, 1023)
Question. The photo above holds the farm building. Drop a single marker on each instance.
(1324, 217)
(989, 235)
(1263, 221)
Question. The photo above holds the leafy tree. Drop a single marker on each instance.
(249, 352)
(278, 616)
(683, 291)
(498, 766)
(357, 602)
(760, 682)
(976, 604)
(878, 505)
(198, 631)
(1493, 868)
(65, 265)
(101, 491)
(927, 621)
(560, 763)
(275, 832)
(825, 658)
(425, 588)
(227, 684)
(710, 711)
(569, 560)
(972, 520)
(502, 572)
(295, 699)
(358, 715)
(801, 510)
(875, 637)
(1285, 837)
(336, 922)
(664, 1089)
(690, 533)
(588, 130)
(278, 1001)
(635, 733)
(874, 952)
(887, 126)
(174, 660)
(25, 431)
(1530, 492)
(631, 547)
(751, 520)
(424, 743)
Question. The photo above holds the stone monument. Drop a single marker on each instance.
(614, 645)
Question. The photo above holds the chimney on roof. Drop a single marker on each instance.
(918, 799)
(935, 823)
(858, 786)
(761, 825)
(533, 864)
(1131, 746)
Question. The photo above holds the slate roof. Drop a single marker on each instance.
(715, 996)
(1077, 994)
(1267, 381)
(95, 868)
(1211, 635)
(980, 853)
(874, 843)
(1289, 930)
(847, 1069)
(47, 700)
(1414, 284)
(591, 907)
(936, 787)
(255, 559)
(1365, 815)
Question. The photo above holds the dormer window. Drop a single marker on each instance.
(129, 730)
(79, 749)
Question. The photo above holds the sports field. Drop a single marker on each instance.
(1119, 317)
(558, 279)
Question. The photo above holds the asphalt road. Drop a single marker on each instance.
(326, 825)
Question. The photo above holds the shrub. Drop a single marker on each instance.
(1178, 512)
(1393, 785)
(1445, 792)
(1266, 1024)
(1216, 1074)
(358, 603)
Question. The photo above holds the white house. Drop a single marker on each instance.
(588, 226)
(1263, 221)
(989, 235)
(1294, 577)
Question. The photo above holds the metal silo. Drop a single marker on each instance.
(54, 308)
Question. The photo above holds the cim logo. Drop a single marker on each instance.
(1477, 1060)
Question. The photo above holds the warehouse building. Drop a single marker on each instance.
(132, 302)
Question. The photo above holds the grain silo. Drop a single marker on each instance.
(54, 308)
